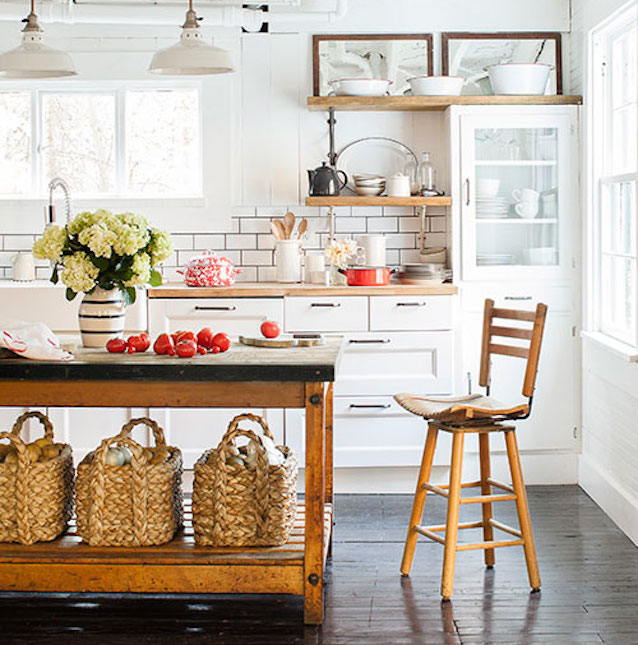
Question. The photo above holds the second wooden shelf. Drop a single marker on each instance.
(356, 200)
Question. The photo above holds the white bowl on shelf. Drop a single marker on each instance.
(436, 85)
(360, 86)
(519, 78)
(369, 191)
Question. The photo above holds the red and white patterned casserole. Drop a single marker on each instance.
(210, 270)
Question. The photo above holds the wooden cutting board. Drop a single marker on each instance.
(281, 342)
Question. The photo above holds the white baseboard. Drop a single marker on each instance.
(610, 495)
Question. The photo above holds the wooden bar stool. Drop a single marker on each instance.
(483, 415)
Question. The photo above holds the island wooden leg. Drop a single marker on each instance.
(329, 420)
(315, 492)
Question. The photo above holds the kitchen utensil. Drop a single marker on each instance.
(302, 228)
(372, 157)
(367, 276)
(360, 86)
(325, 180)
(371, 251)
(399, 185)
(275, 230)
(23, 265)
(289, 224)
(526, 210)
(436, 85)
(281, 342)
(288, 260)
(210, 270)
(281, 230)
(519, 78)
(486, 187)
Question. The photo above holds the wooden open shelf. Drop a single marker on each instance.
(356, 200)
(425, 103)
(69, 565)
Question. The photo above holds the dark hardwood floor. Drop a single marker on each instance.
(588, 567)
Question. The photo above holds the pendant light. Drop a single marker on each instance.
(33, 59)
(192, 54)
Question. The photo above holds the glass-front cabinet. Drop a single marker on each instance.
(518, 174)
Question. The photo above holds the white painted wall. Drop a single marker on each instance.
(607, 468)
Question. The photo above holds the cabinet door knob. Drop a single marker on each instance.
(217, 308)
(325, 304)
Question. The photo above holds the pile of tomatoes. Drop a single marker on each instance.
(185, 344)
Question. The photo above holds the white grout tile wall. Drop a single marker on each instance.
(249, 243)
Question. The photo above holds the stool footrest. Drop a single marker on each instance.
(500, 485)
(505, 528)
(431, 532)
(491, 544)
(435, 489)
(425, 532)
(485, 499)
(466, 525)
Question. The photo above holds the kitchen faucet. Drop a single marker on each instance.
(57, 182)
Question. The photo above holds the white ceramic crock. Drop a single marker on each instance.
(519, 78)
(436, 85)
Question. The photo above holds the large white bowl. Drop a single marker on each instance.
(519, 78)
(369, 191)
(360, 86)
(436, 85)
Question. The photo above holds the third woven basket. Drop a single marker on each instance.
(236, 505)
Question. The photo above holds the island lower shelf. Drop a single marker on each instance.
(180, 566)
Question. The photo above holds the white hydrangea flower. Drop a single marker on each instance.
(129, 239)
(50, 245)
(141, 271)
(79, 272)
(99, 238)
(161, 246)
(86, 219)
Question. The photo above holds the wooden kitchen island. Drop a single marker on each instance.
(244, 377)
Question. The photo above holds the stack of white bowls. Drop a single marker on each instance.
(368, 185)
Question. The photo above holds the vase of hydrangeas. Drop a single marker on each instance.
(107, 257)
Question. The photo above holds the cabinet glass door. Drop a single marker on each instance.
(516, 194)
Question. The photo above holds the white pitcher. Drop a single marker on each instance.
(23, 266)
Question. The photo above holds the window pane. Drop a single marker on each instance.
(79, 141)
(15, 142)
(618, 311)
(618, 218)
(162, 135)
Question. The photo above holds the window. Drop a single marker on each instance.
(119, 142)
(614, 157)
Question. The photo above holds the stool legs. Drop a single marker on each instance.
(486, 489)
(419, 500)
(452, 523)
(523, 510)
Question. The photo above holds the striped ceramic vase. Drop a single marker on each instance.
(101, 317)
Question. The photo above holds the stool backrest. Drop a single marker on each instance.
(529, 351)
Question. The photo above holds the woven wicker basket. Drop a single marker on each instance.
(138, 504)
(239, 506)
(36, 499)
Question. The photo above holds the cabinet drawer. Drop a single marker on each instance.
(325, 313)
(516, 296)
(232, 315)
(385, 363)
(406, 313)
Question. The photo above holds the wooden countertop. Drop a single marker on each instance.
(274, 290)
(239, 363)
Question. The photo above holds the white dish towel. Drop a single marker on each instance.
(31, 340)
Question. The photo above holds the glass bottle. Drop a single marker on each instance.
(411, 170)
(427, 175)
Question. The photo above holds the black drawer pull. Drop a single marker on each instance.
(368, 341)
(379, 406)
(517, 298)
(411, 304)
(219, 308)
(325, 304)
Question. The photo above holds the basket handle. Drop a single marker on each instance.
(22, 485)
(158, 433)
(139, 488)
(262, 483)
(34, 414)
(251, 417)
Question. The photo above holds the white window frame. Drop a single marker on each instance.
(598, 135)
(117, 89)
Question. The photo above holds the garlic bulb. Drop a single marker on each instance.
(114, 457)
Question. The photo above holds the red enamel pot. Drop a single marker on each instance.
(361, 276)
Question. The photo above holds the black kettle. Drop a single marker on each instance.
(326, 181)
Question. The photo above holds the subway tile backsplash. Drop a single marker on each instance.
(249, 244)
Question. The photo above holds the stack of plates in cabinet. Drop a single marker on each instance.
(429, 274)
(492, 207)
(494, 259)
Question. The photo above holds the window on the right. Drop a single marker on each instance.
(613, 155)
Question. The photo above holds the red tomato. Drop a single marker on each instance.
(205, 338)
(186, 348)
(202, 350)
(147, 340)
(130, 349)
(164, 345)
(270, 329)
(116, 345)
(215, 349)
(183, 335)
(138, 343)
(222, 341)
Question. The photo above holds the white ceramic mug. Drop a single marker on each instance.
(399, 186)
(526, 195)
(288, 260)
(487, 187)
(23, 266)
(526, 210)
(371, 251)
(314, 266)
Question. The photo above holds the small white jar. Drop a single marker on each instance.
(399, 186)
(288, 260)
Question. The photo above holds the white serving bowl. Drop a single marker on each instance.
(436, 85)
(360, 86)
(369, 182)
(369, 191)
(365, 177)
(519, 78)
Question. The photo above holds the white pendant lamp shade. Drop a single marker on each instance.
(33, 59)
(192, 55)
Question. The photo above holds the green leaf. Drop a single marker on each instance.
(129, 295)
(70, 294)
(54, 274)
(101, 263)
(156, 278)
